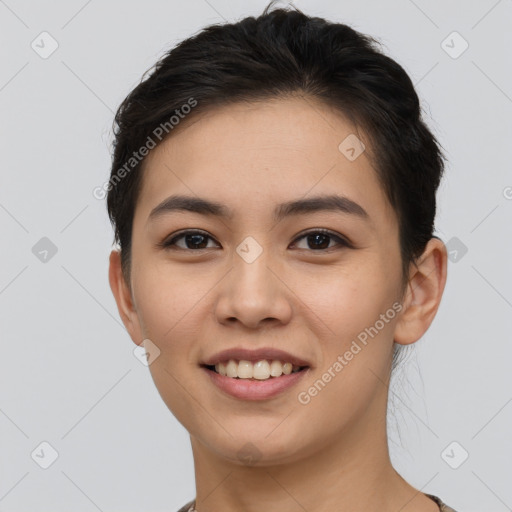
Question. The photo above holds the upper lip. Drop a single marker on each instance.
(254, 355)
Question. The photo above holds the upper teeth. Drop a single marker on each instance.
(260, 370)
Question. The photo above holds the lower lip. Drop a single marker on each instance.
(247, 389)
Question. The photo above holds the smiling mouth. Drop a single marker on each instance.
(260, 370)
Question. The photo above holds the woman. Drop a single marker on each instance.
(273, 195)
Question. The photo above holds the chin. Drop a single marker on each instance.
(264, 449)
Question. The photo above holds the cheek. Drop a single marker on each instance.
(167, 303)
(169, 309)
(348, 299)
(358, 308)
(356, 350)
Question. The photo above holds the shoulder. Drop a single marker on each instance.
(186, 507)
(443, 507)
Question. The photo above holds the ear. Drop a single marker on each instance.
(427, 278)
(124, 300)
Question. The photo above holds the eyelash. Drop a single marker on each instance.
(168, 244)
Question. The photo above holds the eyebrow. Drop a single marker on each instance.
(297, 207)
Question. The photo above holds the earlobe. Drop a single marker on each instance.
(123, 297)
(427, 280)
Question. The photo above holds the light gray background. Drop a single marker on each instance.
(68, 375)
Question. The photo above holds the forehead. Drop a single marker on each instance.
(253, 154)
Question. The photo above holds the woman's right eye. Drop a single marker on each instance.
(193, 240)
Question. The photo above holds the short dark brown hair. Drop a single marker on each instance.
(281, 53)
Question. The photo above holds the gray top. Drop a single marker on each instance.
(442, 506)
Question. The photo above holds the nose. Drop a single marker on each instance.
(254, 294)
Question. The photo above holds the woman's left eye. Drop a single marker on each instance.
(319, 239)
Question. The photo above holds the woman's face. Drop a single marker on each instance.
(252, 280)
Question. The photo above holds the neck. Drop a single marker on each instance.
(352, 474)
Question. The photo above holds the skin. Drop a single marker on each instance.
(332, 453)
